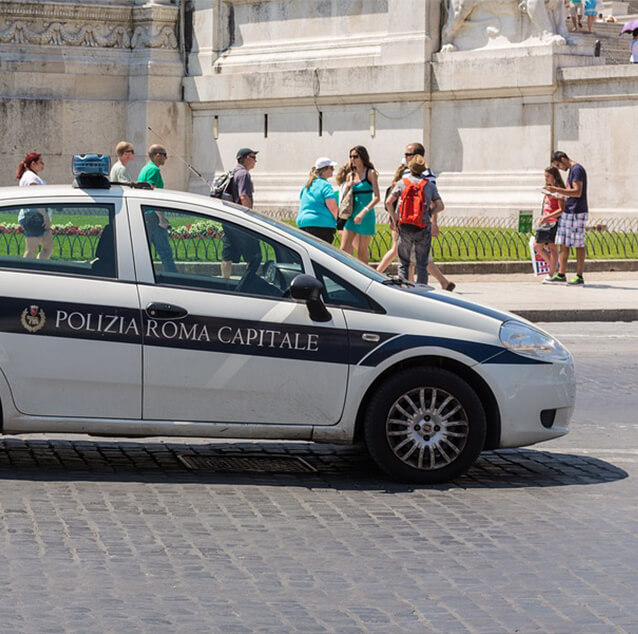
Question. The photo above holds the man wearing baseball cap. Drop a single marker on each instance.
(237, 243)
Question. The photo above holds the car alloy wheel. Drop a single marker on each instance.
(425, 425)
(427, 428)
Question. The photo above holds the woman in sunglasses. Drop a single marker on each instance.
(364, 183)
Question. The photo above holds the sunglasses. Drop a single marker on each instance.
(161, 153)
(354, 156)
(129, 152)
(253, 157)
(410, 154)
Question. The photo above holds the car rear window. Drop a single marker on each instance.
(75, 239)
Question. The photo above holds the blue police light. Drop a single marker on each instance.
(91, 171)
(91, 164)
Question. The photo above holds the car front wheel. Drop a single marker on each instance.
(425, 425)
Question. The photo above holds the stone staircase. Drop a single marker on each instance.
(614, 48)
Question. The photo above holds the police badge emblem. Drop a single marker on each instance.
(33, 318)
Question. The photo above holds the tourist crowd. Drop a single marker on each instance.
(412, 202)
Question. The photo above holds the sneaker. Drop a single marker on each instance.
(557, 278)
(577, 280)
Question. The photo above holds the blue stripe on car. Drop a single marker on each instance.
(480, 352)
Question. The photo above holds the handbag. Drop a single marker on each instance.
(546, 234)
(346, 205)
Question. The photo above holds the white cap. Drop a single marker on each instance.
(324, 161)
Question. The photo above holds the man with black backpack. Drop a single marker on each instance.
(237, 243)
(419, 201)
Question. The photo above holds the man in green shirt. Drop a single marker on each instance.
(151, 173)
(156, 223)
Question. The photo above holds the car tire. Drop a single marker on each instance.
(425, 425)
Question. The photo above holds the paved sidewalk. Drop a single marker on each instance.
(606, 296)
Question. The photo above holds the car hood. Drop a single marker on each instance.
(424, 304)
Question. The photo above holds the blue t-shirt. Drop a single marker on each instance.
(577, 174)
(312, 210)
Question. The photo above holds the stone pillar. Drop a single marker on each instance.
(79, 77)
(155, 110)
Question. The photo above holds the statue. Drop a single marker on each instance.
(474, 24)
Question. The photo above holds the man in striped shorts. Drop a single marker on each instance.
(571, 223)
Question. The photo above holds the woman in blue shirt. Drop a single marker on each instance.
(318, 209)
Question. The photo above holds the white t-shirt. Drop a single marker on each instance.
(634, 52)
(31, 178)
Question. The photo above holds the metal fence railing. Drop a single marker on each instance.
(460, 239)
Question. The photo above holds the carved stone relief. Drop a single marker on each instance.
(90, 26)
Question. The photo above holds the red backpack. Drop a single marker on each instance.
(412, 204)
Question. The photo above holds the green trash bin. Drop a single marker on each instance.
(525, 217)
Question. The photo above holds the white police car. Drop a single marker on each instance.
(167, 313)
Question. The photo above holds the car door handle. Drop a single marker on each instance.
(158, 310)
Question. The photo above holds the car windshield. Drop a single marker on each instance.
(340, 255)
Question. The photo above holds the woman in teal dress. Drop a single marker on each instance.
(364, 182)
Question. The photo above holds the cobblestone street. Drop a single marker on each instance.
(128, 536)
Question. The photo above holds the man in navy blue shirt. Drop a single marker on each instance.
(571, 223)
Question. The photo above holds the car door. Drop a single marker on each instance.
(223, 341)
(70, 329)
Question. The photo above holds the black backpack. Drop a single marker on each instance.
(33, 221)
(223, 186)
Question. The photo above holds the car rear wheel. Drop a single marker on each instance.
(425, 425)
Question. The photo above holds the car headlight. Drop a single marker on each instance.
(529, 342)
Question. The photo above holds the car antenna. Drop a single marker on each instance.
(190, 167)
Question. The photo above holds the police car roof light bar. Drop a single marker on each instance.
(91, 171)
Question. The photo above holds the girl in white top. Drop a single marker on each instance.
(37, 232)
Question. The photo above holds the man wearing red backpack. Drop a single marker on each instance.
(419, 201)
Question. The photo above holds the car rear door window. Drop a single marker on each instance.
(76, 239)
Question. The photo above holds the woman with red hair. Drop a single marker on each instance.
(36, 223)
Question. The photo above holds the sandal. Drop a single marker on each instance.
(450, 287)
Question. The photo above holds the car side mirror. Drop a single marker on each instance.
(308, 289)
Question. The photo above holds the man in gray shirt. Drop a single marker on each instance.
(237, 243)
(125, 154)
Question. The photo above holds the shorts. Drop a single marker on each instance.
(575, 9)
(237, 244)
(546, 234)
(571, 230)
(326, 234)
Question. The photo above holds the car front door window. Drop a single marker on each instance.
(198, 251)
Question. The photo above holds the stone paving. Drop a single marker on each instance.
(114, 536)
(119, 535)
